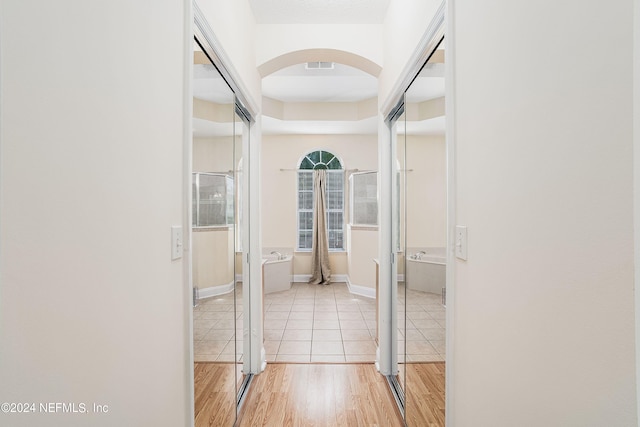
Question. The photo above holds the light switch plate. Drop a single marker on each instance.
(461, 242)
(176, 242)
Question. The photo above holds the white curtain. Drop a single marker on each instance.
(320, 271)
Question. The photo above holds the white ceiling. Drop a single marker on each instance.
(271, 126)
(342, 84)
(319, 11)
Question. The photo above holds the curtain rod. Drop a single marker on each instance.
(345, 170)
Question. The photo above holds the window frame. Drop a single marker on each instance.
(334, 171)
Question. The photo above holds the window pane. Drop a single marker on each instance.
(334, 200)
(335, 239)
(315, 157)
(334, 220)
(365, 199)
(305, 240)
(305, 221)
(194, 202)
(305, 200)
(334, 181)
(305, 181)
(213, 191)
(326, 157)
(306, 164)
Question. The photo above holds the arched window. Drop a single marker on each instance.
(321, 159)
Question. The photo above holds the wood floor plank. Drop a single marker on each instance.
(316, 395)
(425, 402)
(319, 395)
(214, 394)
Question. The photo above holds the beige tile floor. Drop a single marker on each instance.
(313, 323)
(423, 334)
(215, 325)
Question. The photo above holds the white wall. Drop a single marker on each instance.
(426, 191)
(544, 312)
(93, 310)
(275, 40)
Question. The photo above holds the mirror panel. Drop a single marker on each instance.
(425, 244)
(241, 131)
(399, 172)
(216, 347)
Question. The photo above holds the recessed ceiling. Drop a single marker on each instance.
(319, 11)
(341, 84)
(271, 126)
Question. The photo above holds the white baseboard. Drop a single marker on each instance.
(339, 278)
(301, 278)
(400, 277)
(304, 278)
(214, 291)
(363, 291)
(238, 277)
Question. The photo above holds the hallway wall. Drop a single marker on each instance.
(544, 313)
(92, 309)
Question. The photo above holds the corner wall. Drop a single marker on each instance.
(544, 312)
(92, 309)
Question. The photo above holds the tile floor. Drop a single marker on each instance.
(424, 334)
(215, 326)
(312, 323)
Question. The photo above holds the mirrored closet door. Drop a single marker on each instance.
(419, 242)
(220, 127)
(425, 244)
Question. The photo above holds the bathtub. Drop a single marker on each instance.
(427, 274)
(277, 273)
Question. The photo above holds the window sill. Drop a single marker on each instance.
(363, 227)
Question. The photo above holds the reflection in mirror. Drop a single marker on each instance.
(241, 132)
(214, 245)
(425, 244)
(399, 172)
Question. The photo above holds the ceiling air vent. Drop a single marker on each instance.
(319, 65)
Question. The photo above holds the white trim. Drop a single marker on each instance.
(187, 156)
(363, 291)
(430, 38)
(239, 277)
(450, 144)
(387, 266)
(400, 277)
(335, 278)
(636, 186)
(214, 291)
(301, 278)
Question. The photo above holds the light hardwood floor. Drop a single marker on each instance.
(318, 395)
(424, 402)
(215, 394)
